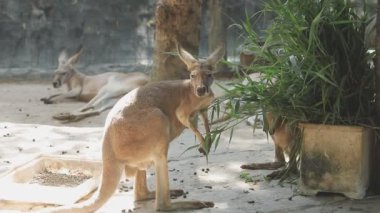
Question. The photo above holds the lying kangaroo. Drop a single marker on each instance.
(140, 127)
(100, 91)
(283, 143)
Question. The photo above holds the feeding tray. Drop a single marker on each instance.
(51, 180)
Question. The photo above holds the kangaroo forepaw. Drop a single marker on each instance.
(202, 150)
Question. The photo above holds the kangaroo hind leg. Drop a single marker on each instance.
(163, 202)
(142, 192)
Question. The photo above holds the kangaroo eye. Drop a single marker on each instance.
(192, 76)
(209, 75)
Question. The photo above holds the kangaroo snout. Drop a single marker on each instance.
(201, 91)
(56, 84)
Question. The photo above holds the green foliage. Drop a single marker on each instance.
(313, 66)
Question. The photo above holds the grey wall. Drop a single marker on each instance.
(34, 32)
(116, 34)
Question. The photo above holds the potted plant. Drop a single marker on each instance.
(314, 74)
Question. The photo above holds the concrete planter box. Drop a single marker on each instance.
(335, 159)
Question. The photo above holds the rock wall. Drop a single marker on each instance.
(34, 32)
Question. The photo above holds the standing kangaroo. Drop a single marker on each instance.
(283, 145)
(100, 91)
(140, 127)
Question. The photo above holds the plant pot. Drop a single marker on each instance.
(335, 159)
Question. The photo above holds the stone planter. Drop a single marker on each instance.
(335, 159)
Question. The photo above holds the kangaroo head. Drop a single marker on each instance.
(65, 68)
(201, 70)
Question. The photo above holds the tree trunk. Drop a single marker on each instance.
(217, 33)
(217, 26)
(376, 150)
(176, 21)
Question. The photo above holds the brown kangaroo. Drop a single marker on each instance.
(100, 91)
(283, 143)
(140, 127)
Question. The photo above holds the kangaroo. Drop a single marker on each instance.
(100, 91)
(279, 132)
(283, 144)
(140, 127)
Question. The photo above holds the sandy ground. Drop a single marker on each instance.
(27, 130)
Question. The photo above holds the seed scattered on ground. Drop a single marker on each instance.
(19, 149)
(290, 198)
(78, 151)
(182, 181)
(184, 196)
(251, 202)
(27, 115)
(56, 178)
(174, 179)
(252, 189)
(64, 152)
(20, 110)
(34, 140)
(195, 173)
(209, 187)
(245, 191)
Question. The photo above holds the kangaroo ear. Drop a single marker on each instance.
(75, 58)
(62, 58)
(216, 56)
(186, 57)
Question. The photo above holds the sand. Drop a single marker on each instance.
(27, 130)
